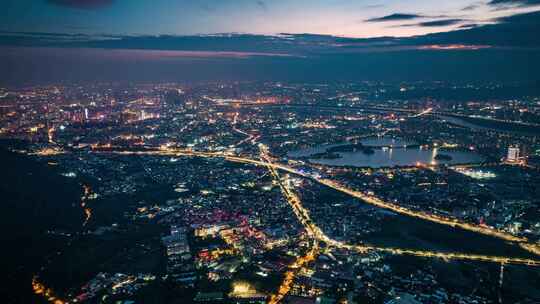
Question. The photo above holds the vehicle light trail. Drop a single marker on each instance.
(427, 111)
(371, 200)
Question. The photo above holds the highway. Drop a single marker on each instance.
(445, 255)
(317, 234)
(303, 217)
(412, 112)
(370, 199)
(522, 242)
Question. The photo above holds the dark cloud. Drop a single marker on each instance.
(395, 17)
(469, 25)
(514, 2)
(470, 7)
(262, 5)
(509, 50)
(42, 34)
(517, 31)
(436, 23)
(82, 4)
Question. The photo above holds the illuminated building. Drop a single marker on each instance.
(246, 293)
(513, 154)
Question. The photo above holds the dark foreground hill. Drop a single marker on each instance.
(37, 206)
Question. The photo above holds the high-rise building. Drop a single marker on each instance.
(513, 154)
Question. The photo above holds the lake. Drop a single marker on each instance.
(387, 156)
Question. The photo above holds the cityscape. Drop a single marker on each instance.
(348, 166)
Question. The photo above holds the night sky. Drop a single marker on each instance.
(333, 39)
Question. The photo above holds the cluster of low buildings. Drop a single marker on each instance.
(105, 285)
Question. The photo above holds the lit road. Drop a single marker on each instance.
(413, 112)
(296, 204)
(315, 232)
(444, 255)
(48, 294)
(295, 267)
(370, 199)
(523, 242)
(427, 111)
(249, 137)
(38, 287)
(302, 215)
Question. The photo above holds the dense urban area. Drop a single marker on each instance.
(274, 192)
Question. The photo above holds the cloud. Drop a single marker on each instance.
(395, 17)
(517, 32)
(262, 5)
(453, 47)
(437, 23)
(469, 25)
(42, 34)
(82, 4)
(470, 7)
(514, 2)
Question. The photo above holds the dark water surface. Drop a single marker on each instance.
(388, 152)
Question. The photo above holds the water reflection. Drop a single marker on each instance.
(389, 153)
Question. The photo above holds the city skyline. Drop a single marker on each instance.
(270, 151)
(271, 192)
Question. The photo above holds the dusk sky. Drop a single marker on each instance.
(351, 18)
(46, 40)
